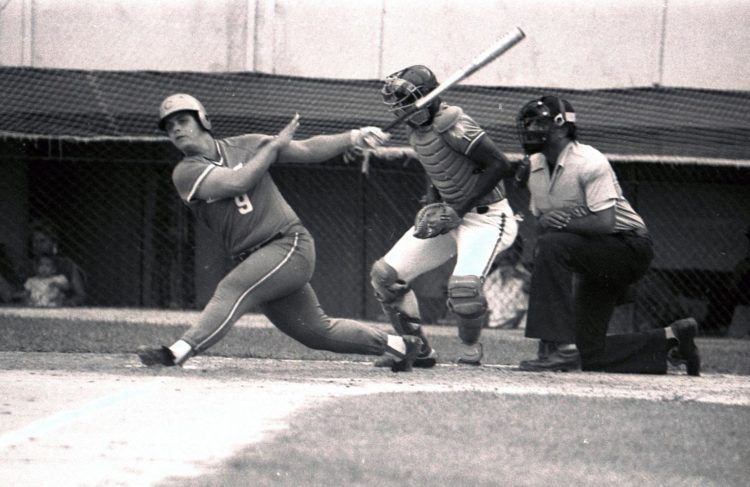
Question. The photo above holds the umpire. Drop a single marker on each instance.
(587, 230)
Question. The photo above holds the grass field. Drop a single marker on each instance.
(486, 439)
(299, 417)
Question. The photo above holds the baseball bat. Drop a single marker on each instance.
(493, 52)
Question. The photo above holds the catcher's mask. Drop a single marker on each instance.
(402, 89)
(539, 117)
(182, 102)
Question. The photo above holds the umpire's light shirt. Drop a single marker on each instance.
(582, 177)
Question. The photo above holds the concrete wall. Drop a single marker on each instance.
(570, 43)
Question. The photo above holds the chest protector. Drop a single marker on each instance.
(441, 149)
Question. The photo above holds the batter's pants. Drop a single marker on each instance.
(275, 279)
(605, 265)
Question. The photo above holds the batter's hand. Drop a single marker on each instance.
(555, 219)
(363, 142)
(287, 133)
(368, 137)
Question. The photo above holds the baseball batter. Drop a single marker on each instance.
(226, 184)
(467, 214)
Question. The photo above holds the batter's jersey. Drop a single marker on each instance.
(244, 221)
(582, 177)
(443, 147)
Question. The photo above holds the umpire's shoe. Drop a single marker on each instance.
(557, 361)
(686, 352)
(413, 347)
(156, 356)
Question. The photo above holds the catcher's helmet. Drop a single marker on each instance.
(537, 118)
(403, 88)
(181, 102)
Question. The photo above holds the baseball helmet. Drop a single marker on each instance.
(538, 117)
(181, 102)
(402, 89)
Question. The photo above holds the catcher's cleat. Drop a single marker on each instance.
(471, 354)
(557, 361)
(413, 346)
(686, 352)
(156, 356)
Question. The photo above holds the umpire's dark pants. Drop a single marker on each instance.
(604, 265)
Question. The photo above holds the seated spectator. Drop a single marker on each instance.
(45, 243)
(507, 289)
(47, 287)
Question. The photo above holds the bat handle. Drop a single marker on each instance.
(396, 122)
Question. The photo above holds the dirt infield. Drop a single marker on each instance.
(92, 417)
(76, 405)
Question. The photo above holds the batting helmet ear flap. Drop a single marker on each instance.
(560, 117)
(565, 113)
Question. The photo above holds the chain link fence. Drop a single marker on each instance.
(99, 172)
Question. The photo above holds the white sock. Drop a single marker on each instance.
(181, 351)
(396, 346)
(670, 334)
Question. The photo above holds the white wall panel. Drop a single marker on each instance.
(571, 43)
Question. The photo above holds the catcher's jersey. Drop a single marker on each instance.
(443, 148)
(243, 221)
(582, 177)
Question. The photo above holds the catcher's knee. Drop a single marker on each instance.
(386, 283)
(392, 292)
(466, 297)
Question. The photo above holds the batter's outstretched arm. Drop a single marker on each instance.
(222, 182)
(319, 148)
(494, 166)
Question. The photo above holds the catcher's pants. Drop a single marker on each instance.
(475, 243)
(276, 278)
(605, 265)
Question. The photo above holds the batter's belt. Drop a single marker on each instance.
(239, 257)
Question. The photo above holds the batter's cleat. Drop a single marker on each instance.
(471, 354)
(156, 356)
(413, 346)
(685, 330)
(426, 359)
(557, 361)
(384, 362)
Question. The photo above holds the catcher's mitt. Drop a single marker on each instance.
(435, 219)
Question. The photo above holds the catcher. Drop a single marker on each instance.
(466, 215)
